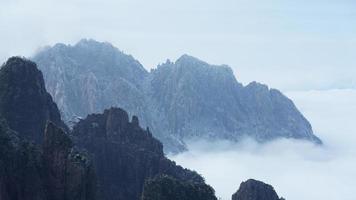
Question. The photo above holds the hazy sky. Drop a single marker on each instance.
(307, 44)
(298, 170)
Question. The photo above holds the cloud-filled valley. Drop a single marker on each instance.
(297, 170)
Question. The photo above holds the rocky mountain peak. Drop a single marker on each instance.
(90, 43)
(185, 58)
(24, 101)
(192, 62)
(125, 155)
(91, 76)
(255, 190)
(37, 158)
(257, 86)
(114, 125)
(180, 100)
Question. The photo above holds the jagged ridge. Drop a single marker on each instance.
(125, 155)
(179, 100)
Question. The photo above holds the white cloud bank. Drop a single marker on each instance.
(297, 170)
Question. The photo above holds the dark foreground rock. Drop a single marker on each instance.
(68, 173)
(37, 161)
(53, 172)
(24, 101)
(125, 155)
(255, 190)
(167, 188)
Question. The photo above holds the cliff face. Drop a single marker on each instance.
(36, 162)
(179, 100)
(205, 101)
(24, 101)
(20, 167)
(255, 190)
(90, 77)
(125, 155)
(68, 174)
(29, 172)
(196, 99)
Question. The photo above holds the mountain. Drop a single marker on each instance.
(205, 101)
(90, 77)
(179, 101)
(37, 161)
(104, 156)
(255, 190)
(125, 155)
(24, 101)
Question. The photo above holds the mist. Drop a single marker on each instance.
(296, 169)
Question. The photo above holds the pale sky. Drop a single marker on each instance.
(287, 44)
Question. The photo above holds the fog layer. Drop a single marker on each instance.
(297, 170)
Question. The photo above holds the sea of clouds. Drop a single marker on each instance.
(297, 169)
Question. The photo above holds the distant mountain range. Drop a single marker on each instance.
(179, 101)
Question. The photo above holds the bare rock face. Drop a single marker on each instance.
(24, 101)
(179, 101)
(90, 77)
(255, 190)
(199, 100)
(69, 174)
(125, 155)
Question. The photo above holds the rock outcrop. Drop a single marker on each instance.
(37, 163)
(167, 188)
(24, 101)
(68, 173)
(125, 155)
(255, 190)
(179, 101)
